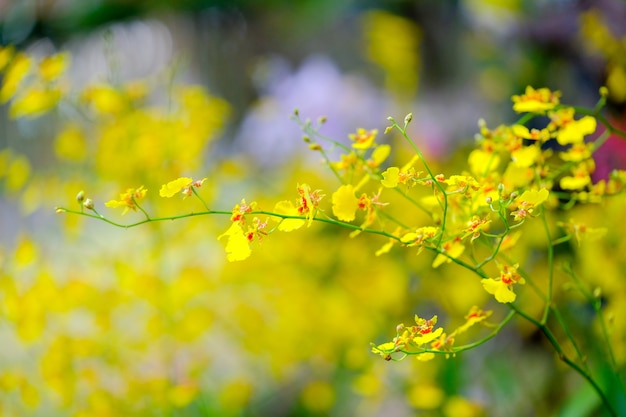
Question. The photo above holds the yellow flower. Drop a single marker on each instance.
(128, 200)
(534, 134)
(576, 130)
(527, 202)
(452, 250)
(536, 101)
(15, 73)
(182, 184)
(345, 203)
(105, 99)
(525, 156)
(34, 102)
(502, 288)
(394, 175)
(51, 67)
(580, 177)
(483, 162)
(577, 152)
(363, 139)
(475, 315)
(379, 155)
(582, 232)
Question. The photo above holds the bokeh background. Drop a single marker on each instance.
(152, 321)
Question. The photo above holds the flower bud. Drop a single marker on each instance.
(88, 204)
(408, 118)
(604, 92)
(322, 120)
(489, 200)
(597, 293)
(80, 197)
(388, 129)
(315, 147)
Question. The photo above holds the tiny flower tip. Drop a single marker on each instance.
(59, 210)
(604, 92)
(306, 139)
(323, 119)
(390, 118)
(489, 200)
(80, 197)
(500, 187)
(514, 194)
(296, 112)
(315, 147)
(408, 118)
(388, 129)
(597, 293)
(88, 204)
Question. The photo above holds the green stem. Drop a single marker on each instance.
(563, 357)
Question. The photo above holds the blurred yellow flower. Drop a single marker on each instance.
(180, 185)
(528, 201)
(51, 67)
(363, 139)
(34, 102)
(536, 101)
(15, 73)
(576, 130)
(128, 200)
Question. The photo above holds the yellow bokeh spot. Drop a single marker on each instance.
(25, 252)
(235, 395)
(460, 407)
(18, 172)
(425, 396)
(318, 396)
(70, 144)
(182, 395)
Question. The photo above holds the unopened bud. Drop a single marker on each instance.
(322, 120)
(315, 147)
(296, 112)
(306, 139)
(80, 197)
(408, 118)
(88, 204)
(514, 194)
(489, 200)
(597, 293)
(388, 129)
(604, 92)
(59, 210)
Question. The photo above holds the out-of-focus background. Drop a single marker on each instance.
(102, 321)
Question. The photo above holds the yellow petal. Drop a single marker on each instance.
(174, 187)
(500, 290)
(237, 246)
(345, 203)
(287, 208)
(390, 177)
